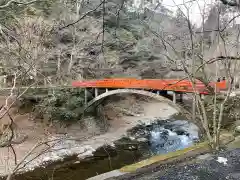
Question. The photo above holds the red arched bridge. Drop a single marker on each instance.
(147, 87)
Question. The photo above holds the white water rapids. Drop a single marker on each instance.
(173, 136)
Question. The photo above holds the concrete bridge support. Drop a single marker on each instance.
(181, 97)
(174, 97)
(95, 92)
(85, 97)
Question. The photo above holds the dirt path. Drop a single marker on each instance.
(123, 114)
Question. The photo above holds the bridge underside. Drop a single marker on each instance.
(155, 96)
(98, 92)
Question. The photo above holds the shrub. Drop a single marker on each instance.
(63, 105)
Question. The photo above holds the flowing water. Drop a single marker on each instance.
(142, 141)
(166, 136)
(172, 136)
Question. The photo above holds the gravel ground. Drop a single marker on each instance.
(224, 165)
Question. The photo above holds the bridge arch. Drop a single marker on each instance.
(140, 92)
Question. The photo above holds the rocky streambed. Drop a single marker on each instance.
(73, 160)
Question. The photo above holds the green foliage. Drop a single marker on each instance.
(119, 39)
(63, 105)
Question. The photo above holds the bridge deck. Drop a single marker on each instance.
(155, 84)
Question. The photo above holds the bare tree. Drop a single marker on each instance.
(204, 53)
(196, 63)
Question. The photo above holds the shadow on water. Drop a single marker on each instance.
(102, 161)
(141, 142)
(105, 159)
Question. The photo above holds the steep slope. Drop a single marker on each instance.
(56, 44)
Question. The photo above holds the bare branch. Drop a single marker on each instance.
(82, 17)
(17, 2)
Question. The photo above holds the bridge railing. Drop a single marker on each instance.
(155, 84)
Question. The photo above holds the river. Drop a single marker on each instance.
(140, 142)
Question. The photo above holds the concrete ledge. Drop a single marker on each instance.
(201, 147)
(110, 174)
(164, 157)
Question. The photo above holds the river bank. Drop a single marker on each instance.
(73, 140)
(139, 143)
